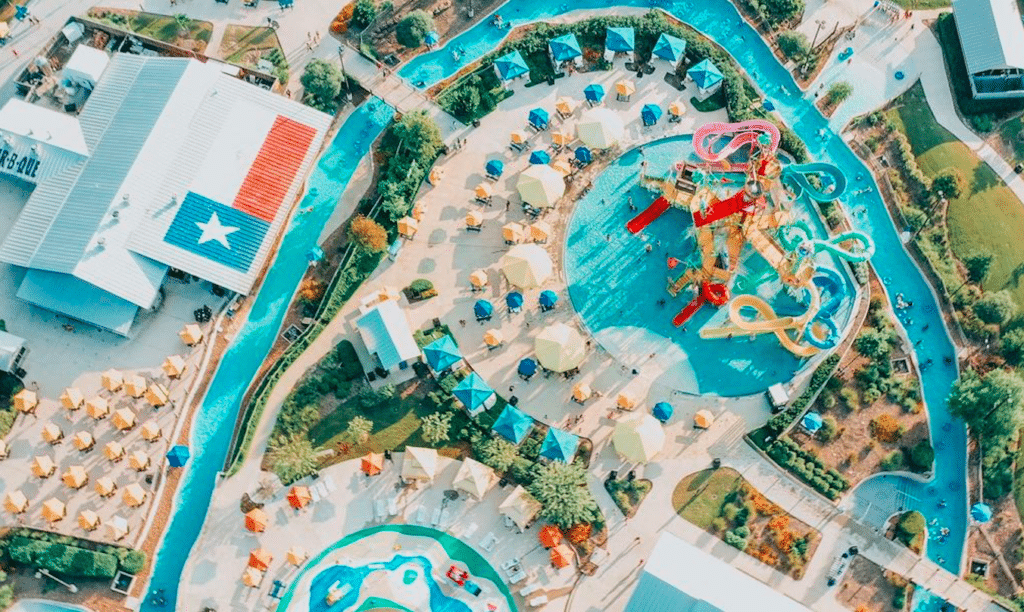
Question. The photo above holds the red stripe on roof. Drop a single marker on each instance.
(274, 168)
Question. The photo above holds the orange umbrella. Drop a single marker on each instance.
(550, 536)
(561, 556)
(298, 497)
(260, 559)
(372, 464)
(256, 520)
(105, 486)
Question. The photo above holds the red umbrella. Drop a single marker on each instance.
(550, 536)
(298, 497)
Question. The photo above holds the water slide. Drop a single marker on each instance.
(648, 215)
(795, 175)
(792, 236)
(746, 133)
(767, 322)
(720, 209)
(822, 331)
(714, 293)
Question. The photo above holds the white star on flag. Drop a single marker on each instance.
(213, 230)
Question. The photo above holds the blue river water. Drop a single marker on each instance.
(215, 419)
(719, 20)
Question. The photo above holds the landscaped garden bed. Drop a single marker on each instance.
(873, 417)
(247, 45)
(722, 503)
(178, 30)
(628, 494)
(866, 587)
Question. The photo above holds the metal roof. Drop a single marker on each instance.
(10, 348)
(77, 299)
(683, 578)
(991, 34)
(385, 331)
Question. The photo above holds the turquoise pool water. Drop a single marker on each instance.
(45, 605)
(924, 600)
(212, 426)
(616, 286)
(417, 572)
(719, 20)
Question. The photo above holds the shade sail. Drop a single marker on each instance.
(600, 128)
(559, 348)
(540, 186)
(639, 438)
(526, 266)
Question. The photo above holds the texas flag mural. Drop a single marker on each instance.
(234, 199)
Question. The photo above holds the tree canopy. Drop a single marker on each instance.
(292, 457)
(1013, 346)
(496, 452)
(989, 404)
(793, 44)
(996, 307)
(873, 344)
(562, 489)
(412, 30)
(978, 264)
(368, 234)
(435, 427)
(321, 84)
(949, 183)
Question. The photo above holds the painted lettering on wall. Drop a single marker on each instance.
(19, 164)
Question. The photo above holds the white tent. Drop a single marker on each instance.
(85, 66)
(474, 478)
(419, 463)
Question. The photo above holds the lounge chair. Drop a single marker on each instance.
(508, 565)
(380, 509)
(329, 485)
(470, 530)
(392, 506)
(435, 518)
(488, 542)
(314, 493)
(446, 517)
(529, 589)
(538, 601)
(421, 515)
(509, 523)
(518, 577)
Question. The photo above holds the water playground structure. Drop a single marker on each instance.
(740, 193)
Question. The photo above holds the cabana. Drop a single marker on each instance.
(442, 354)
(474, 478)
(520, 507)
(559, 445)
(419, 463)
(513, 424)
(474, 394)
(619, 40)
(510, 68)
(564, 49)
(670, 49)
(706, 77)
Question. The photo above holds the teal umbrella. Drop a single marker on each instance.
(442, 353)
(513, 424)
(559, 445)
(473, 392)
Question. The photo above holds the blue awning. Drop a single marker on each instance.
(662, 411)
(548, 298)
(442, 353)
(482, 309)
(539, 118)
(473, 392)
(565, 48)
(540, 156)
(514, 300)
(495, 167)
(584, 155)
(669, 48)
(513, 424)
(559, 445)
(527, 367)
(594, 92)
(619, 40)
(511, 66)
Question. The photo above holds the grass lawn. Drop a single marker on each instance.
(1018, 482)
(699, 497)
(922, 5)
(1011, 132)
(989, 215)
(242, 43)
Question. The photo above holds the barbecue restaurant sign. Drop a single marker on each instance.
(17, 163)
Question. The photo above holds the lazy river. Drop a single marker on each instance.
(944, 497)
(213, 422)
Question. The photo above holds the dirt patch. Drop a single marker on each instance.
(867, 587)
(1000, 536)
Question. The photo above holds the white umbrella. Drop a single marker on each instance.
(600, 128)
(526, 266)
(540, 186)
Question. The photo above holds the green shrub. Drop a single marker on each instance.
(732, 539)
(412, 30)
(829, 430)
(921, 456)
(71, 561)
(850, 398)
(793, 44)
(420, 286)
(364, 12)
(892, 462)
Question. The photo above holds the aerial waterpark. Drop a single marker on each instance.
(740, 191)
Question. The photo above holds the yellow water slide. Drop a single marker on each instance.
(767, 322)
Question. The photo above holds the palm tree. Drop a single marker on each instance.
(359, 429)
(435, 427)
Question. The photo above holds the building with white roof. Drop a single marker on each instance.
(171, 164)
(388, 339)
(681, 577)
(992, 38)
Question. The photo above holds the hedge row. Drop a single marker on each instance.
(780, 422)
(70, 556)
(919, 183)
(808, 467)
